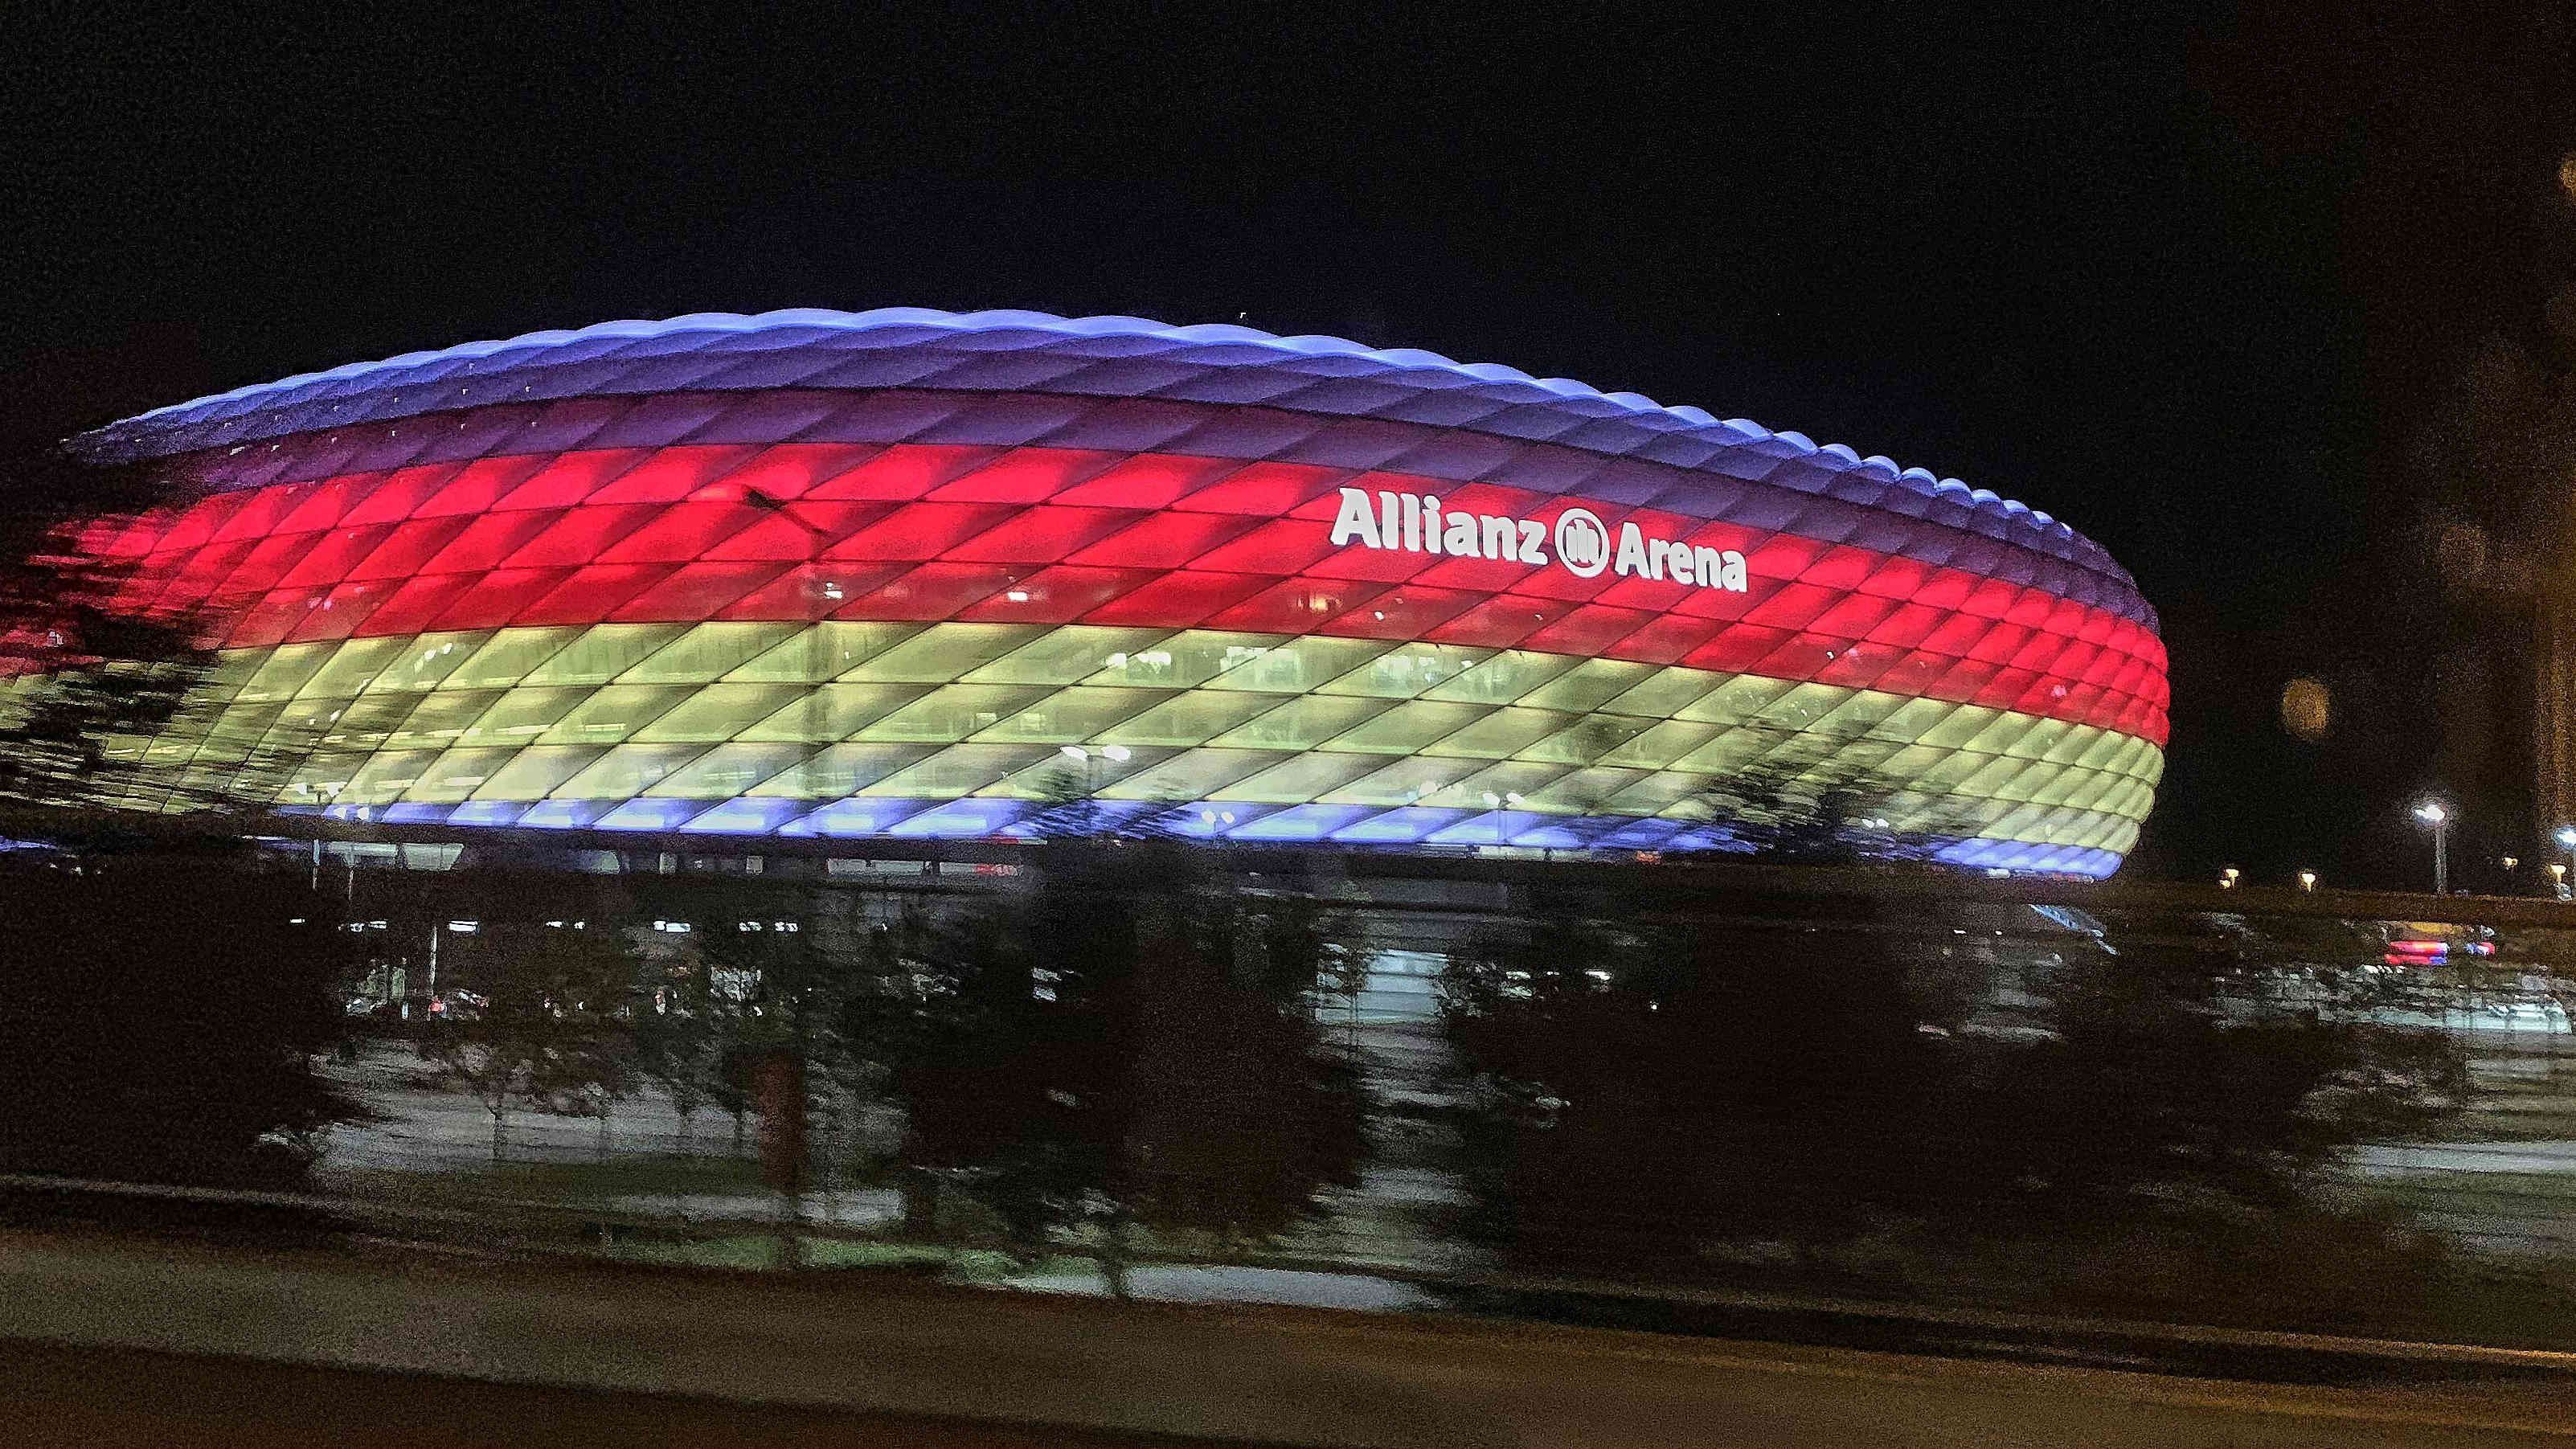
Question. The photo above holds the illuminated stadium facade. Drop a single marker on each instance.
(919, 574)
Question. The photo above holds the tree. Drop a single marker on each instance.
(1068, 808)
(100, 705)
(1646, 1095)
(1065, 807)
(163, 1018)
(1127, 1046)
(1823, 797)
(551, 1030)
(1245, 1112)
(1643, 1092)
(2198, 1067)
(96, 664)
(679, 1045)
(773, 992)
(973, 1044)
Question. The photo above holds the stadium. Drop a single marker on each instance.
(917, 574)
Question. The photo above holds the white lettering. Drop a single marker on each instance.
(1415, 523)
(1355, 521)
(1632, 551)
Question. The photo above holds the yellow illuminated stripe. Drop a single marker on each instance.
(942, 710)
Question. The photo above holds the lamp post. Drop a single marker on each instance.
(2307, 880)
(2565, 835)
(2435, 814)
(819, 597)
(2227, 879)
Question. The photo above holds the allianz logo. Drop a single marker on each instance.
(1414, 523)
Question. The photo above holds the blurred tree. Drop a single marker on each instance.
(680, 1035)
(163, 1018)
(774, 989)
(100, 703)
(94, 666)
(1068, 807)
(1126, 1046)
(2208, 1070)
(1244, 1111)
(1645, 1095)
(1065, 807)
(552, 1029)
(976, 1051)
(1824, 797)
(1640, 1093)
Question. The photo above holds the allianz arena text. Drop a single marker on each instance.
(908, 573)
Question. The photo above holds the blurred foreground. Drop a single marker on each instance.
(107, 1339)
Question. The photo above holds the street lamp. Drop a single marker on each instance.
(2558, 880)
(2307, 880)
(2433, 813)
(2227, 879)
(2565, 835)
(821, 596)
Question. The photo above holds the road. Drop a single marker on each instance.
(118, 1340)
(54, 1396)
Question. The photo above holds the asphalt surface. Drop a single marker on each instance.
(116, 1340)
(55, 1396)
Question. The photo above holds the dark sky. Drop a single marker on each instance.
(2193, 283)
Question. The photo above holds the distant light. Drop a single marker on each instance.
(1017, 596)
(1116, 753)
(2567, 837)
(2307, 880)
(2431, 812)
(1076, 752)
(2307, 709)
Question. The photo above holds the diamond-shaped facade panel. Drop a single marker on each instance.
(914, 573)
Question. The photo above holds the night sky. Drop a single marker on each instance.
(2201, 286)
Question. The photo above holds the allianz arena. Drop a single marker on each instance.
(906, 573)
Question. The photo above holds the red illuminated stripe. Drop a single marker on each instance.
(1047, 535)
